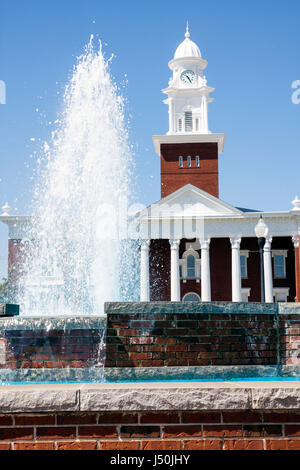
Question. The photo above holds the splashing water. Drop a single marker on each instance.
(79, 254)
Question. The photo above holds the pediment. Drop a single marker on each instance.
(190, 201)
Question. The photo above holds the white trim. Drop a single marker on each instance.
(280, 252)
(281, 291)
(183, 264)
(245, 291)
(194, 293)
(245, 253)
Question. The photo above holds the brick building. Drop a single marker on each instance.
(196, 246)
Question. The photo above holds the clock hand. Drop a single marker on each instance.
(189, 79)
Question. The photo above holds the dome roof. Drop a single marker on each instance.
(187, 48)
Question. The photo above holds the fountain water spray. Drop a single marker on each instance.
(79, 252)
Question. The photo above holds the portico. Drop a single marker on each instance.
(207, 242)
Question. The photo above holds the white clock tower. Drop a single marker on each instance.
(189, 150)
(188, 93)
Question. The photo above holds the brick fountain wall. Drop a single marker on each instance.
(170, 334)
(156, 338)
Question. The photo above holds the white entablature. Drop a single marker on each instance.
(191, 212)
(188, 93)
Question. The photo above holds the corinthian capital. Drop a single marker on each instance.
(204, 243)
(235, 242)
(145, 245)
(174, 244)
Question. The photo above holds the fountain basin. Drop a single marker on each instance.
(154, 341)
(208, 406)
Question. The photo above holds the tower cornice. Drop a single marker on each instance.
(204, 90)
(202, 63)
(187, 139)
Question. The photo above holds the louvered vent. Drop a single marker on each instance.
(188, 121)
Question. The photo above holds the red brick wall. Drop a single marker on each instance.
(31, 349)
(151, 430)
(205, 177)
(289, 331)
(191, 339)
(16, 257)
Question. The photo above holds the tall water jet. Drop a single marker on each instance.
(78, 242)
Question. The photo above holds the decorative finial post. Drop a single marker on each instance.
(296, 204)
(6, 209)
(187, 33)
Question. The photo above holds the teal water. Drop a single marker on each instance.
(242, 379)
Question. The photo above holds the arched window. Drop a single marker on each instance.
(197, 161)
(190, 261)
(180, 161)
(191, 297)
(191, 265)
(189, 161)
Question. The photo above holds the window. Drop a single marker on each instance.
(243, 257)
(180, 271)
(243, 267)
(190, 266)
(189, 161)
(197, 161)
(179, 125)
(191, 297)
(279, 263)
(188, 118)
(180, 161)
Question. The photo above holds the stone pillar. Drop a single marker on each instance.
(205, 271)
(236, 269)
(144, 287)
(175, 279)
(297, 266)
(268, 274)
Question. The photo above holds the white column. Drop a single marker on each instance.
(171, 116)
(268, 275)
(145, 290)
(175, 279)
(205, 115)
(236, 269)
(205, 271)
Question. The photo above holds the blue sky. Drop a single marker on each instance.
(253, 56)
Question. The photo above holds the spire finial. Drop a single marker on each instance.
(187, 33)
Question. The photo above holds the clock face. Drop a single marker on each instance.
(188, 77)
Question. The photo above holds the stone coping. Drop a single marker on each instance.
(98, 373)
(59, 322)
(151, 396)
(120, 308)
